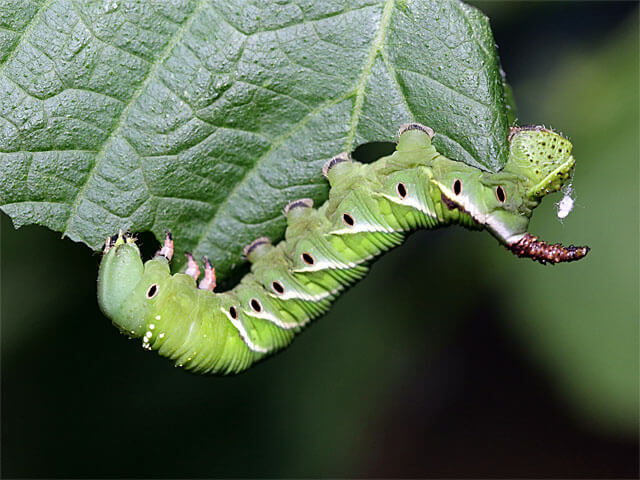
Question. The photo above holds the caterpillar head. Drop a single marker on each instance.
(126, 285)
(539, 163)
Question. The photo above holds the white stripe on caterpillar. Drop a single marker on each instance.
(243, 333)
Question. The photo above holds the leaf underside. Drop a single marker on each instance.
(206, 117)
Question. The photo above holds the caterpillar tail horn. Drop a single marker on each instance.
(543, 252)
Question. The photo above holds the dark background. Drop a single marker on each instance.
(452, 359)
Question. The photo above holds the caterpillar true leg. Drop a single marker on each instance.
(167, 249)
(193, 270)
(370, 209)
(209, 280)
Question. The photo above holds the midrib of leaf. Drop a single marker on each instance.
(123, 115)
(24, 33)
(378, 43)
(359, 90)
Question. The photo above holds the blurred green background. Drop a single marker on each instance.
(452, 358)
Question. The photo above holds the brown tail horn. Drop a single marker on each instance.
(537, 250)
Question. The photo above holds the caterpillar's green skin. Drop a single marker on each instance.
(416, 187)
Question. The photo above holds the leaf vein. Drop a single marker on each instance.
(26, 30)
(277, 142)
(123, 115)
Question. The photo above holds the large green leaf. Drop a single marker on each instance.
(206, 117)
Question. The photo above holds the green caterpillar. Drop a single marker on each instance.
(370, 210)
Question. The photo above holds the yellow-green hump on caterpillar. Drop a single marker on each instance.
(542, 156)
(371, 208)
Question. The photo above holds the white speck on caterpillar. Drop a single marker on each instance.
(161, 335)
(152, 326)
(157, 317)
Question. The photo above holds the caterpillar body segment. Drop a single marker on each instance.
(370, 210)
